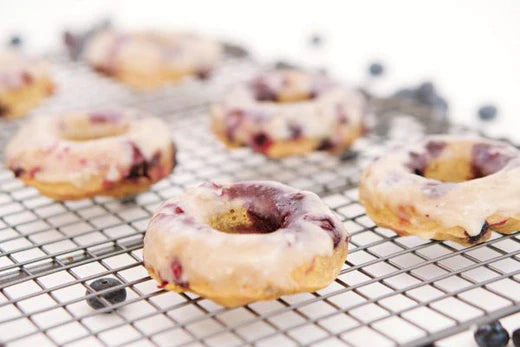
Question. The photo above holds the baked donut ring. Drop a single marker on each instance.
(244, 242)
(149, 59)
(289, 112)
(24, 82)
(446, 188)
(77, 155)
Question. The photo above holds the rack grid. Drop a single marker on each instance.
(392, 290)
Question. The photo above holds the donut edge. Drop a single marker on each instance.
(284, 148)
(386, 217)
(309, 277)
(61, 191)
(18, 102)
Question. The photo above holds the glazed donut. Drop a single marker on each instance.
(24, 82)
(446, 188)
(289, 112)
(244, 242)
(146, 60)
(77, 155)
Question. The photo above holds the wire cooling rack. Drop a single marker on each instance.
(391, 290)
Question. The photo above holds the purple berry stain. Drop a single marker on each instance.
(328, 225)
(262, 91)
(295, 131)
(18, 171)
(104, 117)
(486, 161)
(177, 271)
(341, 114)
(325, 145)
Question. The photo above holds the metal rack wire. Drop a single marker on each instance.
(391, 290)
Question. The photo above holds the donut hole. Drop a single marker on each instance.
(449, 170)
(462, 162)
(81, 127)
(284, 86)
(240, 220)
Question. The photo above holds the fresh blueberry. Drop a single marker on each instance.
(516, 337)
(376, 69)
(491, 335)
(316, 40)
(348, 154)
(487, 112)
(15, 41)
(114, 297)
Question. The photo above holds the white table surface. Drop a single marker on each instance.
(470, 49)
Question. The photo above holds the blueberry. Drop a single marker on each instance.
(376, 69)
(114, 297)
(316, 40)
(491, 335)
(15, 41)
(516, 337)
(487, 112)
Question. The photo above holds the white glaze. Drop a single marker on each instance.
(466, 204)
(317, 117)
(40, 146)
(215, 256)
(15, 65)
(148, 52)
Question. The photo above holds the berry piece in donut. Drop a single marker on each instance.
(445, 188)
(77, 155)
(261, 240)
(289, 112)
(261, 142)
(325, 145)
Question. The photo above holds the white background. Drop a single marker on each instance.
(470, 49)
